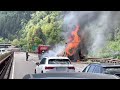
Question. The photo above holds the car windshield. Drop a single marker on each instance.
(112, 70)
(59, 61)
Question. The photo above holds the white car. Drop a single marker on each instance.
(3, 50)
(54, 65)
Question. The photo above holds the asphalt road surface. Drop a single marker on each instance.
(22, 67)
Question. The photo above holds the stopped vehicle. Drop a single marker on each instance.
(54, 65)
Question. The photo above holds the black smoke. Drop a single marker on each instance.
(93, 26)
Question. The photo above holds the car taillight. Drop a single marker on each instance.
(71, 68)
(49, 67)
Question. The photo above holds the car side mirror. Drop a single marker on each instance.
(37, 63)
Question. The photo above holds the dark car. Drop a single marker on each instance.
(77, 75)
(103, 68)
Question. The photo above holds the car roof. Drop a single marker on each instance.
(75, 75)
(57, 57)
(106, 65)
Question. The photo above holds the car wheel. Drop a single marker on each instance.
(35, 71)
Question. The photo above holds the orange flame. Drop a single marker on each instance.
(73, 43)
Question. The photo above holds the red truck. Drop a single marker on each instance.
(42, 49)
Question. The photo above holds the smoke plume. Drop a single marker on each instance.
(55, 51)
(95, 28)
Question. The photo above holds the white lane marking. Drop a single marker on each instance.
(13, 69)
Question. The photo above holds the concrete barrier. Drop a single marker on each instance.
(5, 64)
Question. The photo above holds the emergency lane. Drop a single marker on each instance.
(22, 67)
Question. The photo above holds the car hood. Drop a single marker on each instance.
(80, 75)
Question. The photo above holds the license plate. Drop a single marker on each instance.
(60, 69)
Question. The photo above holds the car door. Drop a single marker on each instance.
(42, 63)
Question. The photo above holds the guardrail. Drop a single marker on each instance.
(5, 66)
(105, 60)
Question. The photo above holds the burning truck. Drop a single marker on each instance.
(42, 49)
(74, 48)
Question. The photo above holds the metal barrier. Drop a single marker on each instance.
(5, 66)
(105, 60)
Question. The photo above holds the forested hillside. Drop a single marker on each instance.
(44, 27)
(11, 22)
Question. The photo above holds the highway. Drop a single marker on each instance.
(21, 67)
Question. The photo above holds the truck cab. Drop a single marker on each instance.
(42, 49)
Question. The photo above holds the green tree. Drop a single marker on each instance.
(1, 40)
(15, 42)
(44, 27)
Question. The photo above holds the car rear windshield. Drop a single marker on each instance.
(59, 61)
(112, 70)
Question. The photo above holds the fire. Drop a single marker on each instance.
(73, 43)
